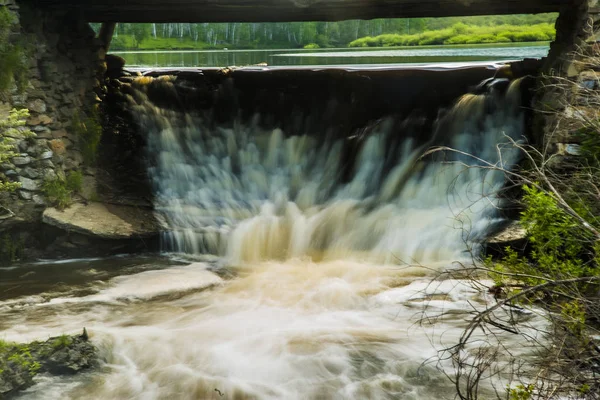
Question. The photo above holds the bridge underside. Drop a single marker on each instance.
(287, 10)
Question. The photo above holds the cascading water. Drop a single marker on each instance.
(255, 194)
(311, 296)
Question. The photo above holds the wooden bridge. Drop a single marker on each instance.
(287, 10)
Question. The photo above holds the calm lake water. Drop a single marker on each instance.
(368, 56)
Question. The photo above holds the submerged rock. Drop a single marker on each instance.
(20, 363)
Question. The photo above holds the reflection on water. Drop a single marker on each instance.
(430, 54)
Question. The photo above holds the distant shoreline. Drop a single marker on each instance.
(218, 50)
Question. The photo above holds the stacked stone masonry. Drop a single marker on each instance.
(64, 59)
(570, 85)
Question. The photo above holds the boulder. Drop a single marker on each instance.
(513, 235)
(20, 363)
(106, 221)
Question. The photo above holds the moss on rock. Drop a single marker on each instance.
(61, 355)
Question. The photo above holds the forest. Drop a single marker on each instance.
(355, 33)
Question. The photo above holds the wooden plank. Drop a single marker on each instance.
(287, 10)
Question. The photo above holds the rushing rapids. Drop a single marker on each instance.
(304, 282)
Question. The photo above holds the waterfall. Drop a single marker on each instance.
(305, 300)
(254, 193)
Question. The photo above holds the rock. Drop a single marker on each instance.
(49, 174)
(21, 160)
(25, 195)
(513, 235)
(38, 200)
(59, 133)
(28, 184)
(58, 356)
(22, 145)
(47, 163)
(66, 355)
(29, 172)
(37, 105)
(11, 173)
(46, 155)
(104, 220)
(41, 119)
(40, 129)
(114, 63)
(57, 146)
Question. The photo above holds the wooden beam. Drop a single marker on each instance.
(107, 29)
(288, 10)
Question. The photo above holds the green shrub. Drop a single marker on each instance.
(312, 46)
(461, 33)
(13, 55)
(11, 248)
(19, 355)
(59, 191)
(89, 132)
(74, 181)
(61, 342)
(560, 246)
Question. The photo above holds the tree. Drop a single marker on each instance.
(140, 32)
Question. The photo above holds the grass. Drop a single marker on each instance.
(62, 341)
(88, 130)
(19, 354)
(463, 34)
(59, 191)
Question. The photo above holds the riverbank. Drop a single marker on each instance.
(463, 34)
(459, 33)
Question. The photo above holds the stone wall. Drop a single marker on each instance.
(62, 73)
(570, 81)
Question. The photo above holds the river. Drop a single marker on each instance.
(331, 57)
(281, 278)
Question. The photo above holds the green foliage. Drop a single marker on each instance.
(140, 32)
(463, 34)
(11, 128)
(61, 342)
(312, 46)
(74, 181)
(89, 132)
(59, 191)
(559, 244)
(573, 316)
(12, 55)
(521, 392)
(17, 354)
(299, 34)
(11, 248)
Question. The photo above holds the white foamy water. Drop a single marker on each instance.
(293, 330)
(319, 294)
(252, 194)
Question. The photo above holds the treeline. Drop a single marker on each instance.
(463, 34)
(294, 34)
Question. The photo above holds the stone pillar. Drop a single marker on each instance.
(570, 75)
(62, 64)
